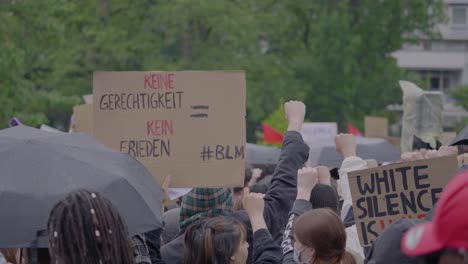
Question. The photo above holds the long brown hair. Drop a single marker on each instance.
(9, 254)
(322, 230)
(213, 240)
(85, 227)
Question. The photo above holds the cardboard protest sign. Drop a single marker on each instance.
(189, 124)
(88, 98)
(83, 118)
(318, 131)
(403, 190)
(376, 126)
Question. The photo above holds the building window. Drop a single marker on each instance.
(458, 15)
(435, 83)
(439, 80)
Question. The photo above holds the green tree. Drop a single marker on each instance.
(346, 66)
(461, 96)
(334, 55)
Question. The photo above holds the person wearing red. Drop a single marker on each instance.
(443, 240)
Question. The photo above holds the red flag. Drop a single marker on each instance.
(353, 130)
(270, 135)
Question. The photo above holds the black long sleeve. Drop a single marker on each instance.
(264, 250)
(280, 197)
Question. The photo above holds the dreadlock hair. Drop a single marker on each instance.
(85, 227)
(213, 240)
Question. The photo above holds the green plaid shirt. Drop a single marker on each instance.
(204, 202)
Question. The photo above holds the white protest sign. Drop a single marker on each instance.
(318, 131)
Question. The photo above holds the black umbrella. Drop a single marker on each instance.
(324, 153)
(462, 137)
(39, 168)
(262, 155)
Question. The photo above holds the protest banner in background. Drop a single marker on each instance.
(188, 124)
(403, 190)
(318, 131)
(83, 118)
(376, 127)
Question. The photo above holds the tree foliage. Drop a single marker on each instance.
(461, 96)
(335, 54)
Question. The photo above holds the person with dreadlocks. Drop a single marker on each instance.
(85, 227)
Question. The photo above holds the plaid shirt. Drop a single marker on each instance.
(204, 202)
(140, 249)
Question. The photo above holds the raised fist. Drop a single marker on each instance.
(295, 112)
(307, 178)
(346, 145)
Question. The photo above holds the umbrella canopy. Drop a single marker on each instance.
(462, 137)
(262, 155)
(39, 168)
(323, 153)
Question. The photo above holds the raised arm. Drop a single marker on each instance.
(346, 145)
(294, 153)
(264, 250)
(306, 180)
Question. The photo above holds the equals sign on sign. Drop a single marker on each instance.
(200, 107)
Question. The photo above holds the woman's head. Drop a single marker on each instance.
(219, 240)
(321, 237)
(84, 227)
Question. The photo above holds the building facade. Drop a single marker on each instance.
(443, 63)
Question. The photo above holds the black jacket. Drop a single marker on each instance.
(264, 250)
(280, 197)
(300, 207)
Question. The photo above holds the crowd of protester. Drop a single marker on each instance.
(300, 215)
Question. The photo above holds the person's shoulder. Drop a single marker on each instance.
(173, 250)
(178, 240)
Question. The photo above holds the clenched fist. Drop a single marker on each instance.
(295, 113)
(253, 203)
(346, 145)
(307, 178)
(324, 176)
